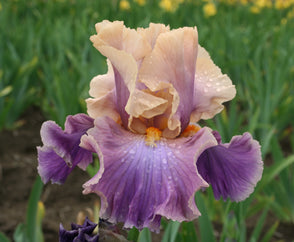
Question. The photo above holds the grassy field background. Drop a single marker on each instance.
(47, 60)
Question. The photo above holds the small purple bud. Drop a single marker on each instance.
(79, 233)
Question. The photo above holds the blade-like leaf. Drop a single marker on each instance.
(171, 231)
(205, 225)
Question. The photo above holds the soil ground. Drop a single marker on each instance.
(18, 171)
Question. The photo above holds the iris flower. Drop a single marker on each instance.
(142, 122)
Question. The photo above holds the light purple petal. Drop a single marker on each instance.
(139, 183)
(233, 169)
(61, 151)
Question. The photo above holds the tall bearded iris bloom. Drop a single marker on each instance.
(142, 123)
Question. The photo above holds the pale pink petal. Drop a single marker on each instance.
(171, 66)
(116, 35)
(211, 88)
(103, 106)
(145, 104)
(151, 34)
(102, 84)
(102, 89)
(124, 48)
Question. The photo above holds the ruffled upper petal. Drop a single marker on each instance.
(139, 183)
(211, 88)
(61, 151)
(171, 67)
(154, 72)
(102, 89)
(125, 48)
(233, 169)
(152, 32)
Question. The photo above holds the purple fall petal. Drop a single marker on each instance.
(139, 183)
(61, 151)
(233, 169)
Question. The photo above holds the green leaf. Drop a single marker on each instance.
(270, 232)
(274, 171)
(188, 232)
(144, 236)
(171, 231)
(133, 234)
(205, 225)
(32, 219)
(258, 227)
(5, 91)
(3, 238)
(93, 168)
(20, 233)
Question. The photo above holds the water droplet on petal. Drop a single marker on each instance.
(132, 151)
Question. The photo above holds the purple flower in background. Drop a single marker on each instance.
(79, 233)
(143, 126)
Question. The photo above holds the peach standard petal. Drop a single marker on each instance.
(125, 49)
(170, 67)
(211, 88)
(156, 78)
(102, 89)
(102, 84)
(151, 34)
(116, 35)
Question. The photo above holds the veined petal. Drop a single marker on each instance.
(211, 88)
(233, 169)
(139, 183)
(61, 151)
(171, 66)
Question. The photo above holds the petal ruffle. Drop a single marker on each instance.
(233, 169)
(125, 48)
(102, 89)
(152, 32)
(171, 67)
(139, 183)
(61, 151)
(211, 88)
